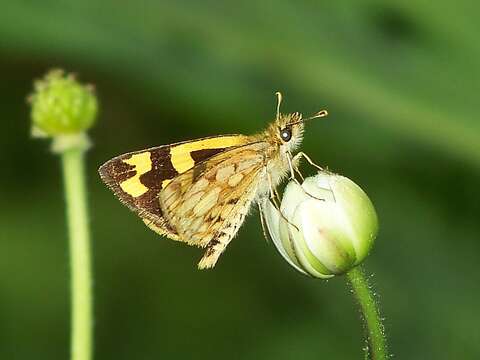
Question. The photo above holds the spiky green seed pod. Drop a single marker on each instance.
(62, 106)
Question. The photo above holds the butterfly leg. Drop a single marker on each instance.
(293, 167)
(311, 162)
(301, 154)
(292, 163)
(274, 199)
(263, 222)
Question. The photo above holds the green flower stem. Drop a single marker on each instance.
(376, 348)
(81, 286)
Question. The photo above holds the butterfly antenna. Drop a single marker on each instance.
(320, 114)
(279, 101)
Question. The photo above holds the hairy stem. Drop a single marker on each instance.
(376, 342)
(81, 287)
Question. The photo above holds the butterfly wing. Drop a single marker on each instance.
(207, 204)
(138, 177)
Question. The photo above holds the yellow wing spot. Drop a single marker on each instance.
(165, 183)
(235, 179)
(200, 185)
(142, 164)
(190, 203)
(224, 173)
(208, 201)
(180, 154)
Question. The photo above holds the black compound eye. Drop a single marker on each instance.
(286, 134)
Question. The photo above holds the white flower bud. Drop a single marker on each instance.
(327, 227)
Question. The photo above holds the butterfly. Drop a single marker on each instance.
(200, 191)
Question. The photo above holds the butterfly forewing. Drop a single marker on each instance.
(137, 178)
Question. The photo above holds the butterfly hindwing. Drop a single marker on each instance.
(207, 204)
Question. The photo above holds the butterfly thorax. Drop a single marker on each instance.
(279, 148)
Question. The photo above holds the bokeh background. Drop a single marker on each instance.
(401, 82)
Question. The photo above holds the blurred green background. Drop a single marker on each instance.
(401, 83)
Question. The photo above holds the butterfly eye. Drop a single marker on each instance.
(286, 134)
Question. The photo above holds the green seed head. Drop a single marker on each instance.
(61, 105)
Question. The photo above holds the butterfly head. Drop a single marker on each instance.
(287, 129)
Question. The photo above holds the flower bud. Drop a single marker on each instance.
(61, 105)
(327, 226)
